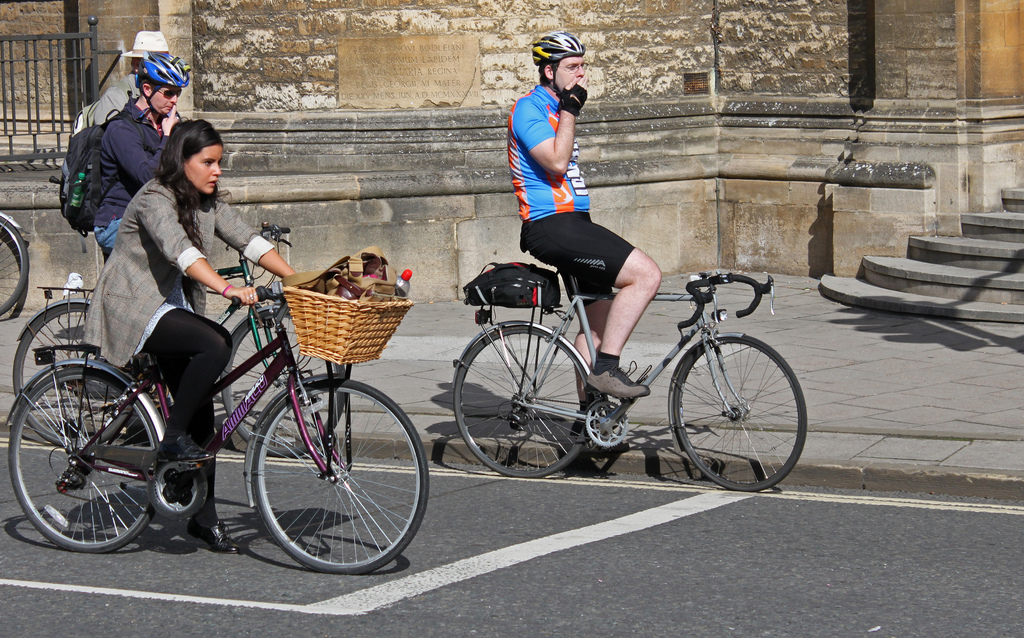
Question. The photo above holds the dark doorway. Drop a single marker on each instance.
(861, 26)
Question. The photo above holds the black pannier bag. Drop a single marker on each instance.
(514, 286)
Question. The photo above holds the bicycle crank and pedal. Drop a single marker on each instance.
(177, 489)
(603, 427)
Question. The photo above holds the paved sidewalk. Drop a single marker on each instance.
(896, 402)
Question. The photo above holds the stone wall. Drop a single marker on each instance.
(749, 176)
(254, 56)
(31, 18)
(917, 49)
(785, 48)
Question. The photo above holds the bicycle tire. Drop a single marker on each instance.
(750, 449)
(106, 511)
(367, 518)
(518, 437)
(14, 267)
(60, 323)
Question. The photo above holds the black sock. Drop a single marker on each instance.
(605, 362)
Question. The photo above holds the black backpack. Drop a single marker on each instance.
(82, 164)
(514, 285)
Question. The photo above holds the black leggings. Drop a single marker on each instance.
(192, 352)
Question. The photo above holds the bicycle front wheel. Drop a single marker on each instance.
(516, 398)
(59, 324)
(368, 509)
(13, 266)
(738, 411)
(75, 506)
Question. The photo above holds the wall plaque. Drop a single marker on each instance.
(408, 72)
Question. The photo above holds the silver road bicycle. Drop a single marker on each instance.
(735, 406)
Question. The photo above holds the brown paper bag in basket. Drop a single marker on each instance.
(364, 275)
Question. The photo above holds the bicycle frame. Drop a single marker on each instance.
(134, 463)
(577, 309)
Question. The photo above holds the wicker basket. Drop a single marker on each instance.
(341, 330)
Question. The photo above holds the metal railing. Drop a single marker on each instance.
(44, 81)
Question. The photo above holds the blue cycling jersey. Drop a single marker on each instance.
(533, 120)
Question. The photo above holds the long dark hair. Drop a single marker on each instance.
(187, 139)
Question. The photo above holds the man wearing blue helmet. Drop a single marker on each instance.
(134, 139)
(554, 205)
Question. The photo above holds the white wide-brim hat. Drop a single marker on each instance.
(147, 41)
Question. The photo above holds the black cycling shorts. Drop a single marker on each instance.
(574, 244)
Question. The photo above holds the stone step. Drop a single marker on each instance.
(855, 292)
(1005, 226)
(968, 252)
(1013, 200)
(946, 282)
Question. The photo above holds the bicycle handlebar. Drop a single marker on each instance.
(273, 293)
(273, 232)
(709, 281)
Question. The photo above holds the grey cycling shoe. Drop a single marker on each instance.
(615, 383)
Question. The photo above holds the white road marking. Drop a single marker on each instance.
(145, 595)
(386, 594)
(373, 598)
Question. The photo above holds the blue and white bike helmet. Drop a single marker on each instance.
(163, 69)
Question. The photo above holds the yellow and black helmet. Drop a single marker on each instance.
(555, 46)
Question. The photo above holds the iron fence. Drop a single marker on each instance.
(44, 81)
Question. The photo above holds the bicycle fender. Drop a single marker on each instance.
(144, 400)
(731, 334)
(11, 220)
(27, 329)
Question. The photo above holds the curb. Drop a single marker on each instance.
(873, 477)
(848, 475)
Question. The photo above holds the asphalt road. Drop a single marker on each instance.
(577, 556)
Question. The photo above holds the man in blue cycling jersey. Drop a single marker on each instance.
(555, 209)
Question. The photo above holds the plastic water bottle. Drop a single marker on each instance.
(402, 285)
(77, 191)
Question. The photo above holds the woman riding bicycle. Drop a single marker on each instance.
(151, 296)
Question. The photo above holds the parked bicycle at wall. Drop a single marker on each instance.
(735, 406)
(14, 265)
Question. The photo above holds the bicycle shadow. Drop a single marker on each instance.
(648, 445)
(168, 537)
(14, 525)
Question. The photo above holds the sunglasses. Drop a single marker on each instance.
(168, 92)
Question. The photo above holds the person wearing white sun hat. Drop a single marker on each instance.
(124, 90)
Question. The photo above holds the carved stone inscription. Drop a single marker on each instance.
(408, 72)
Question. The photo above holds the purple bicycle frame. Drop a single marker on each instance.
(284, 359)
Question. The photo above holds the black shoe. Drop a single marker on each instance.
(182, 448)
(216, 537)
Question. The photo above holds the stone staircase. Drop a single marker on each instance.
(978, 276)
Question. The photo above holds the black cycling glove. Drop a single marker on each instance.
(572, 100)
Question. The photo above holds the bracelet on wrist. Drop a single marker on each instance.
(226, 289)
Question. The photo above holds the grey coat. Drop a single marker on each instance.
(143, 268)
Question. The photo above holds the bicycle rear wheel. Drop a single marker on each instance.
(97, 511)
(739, 413)
(505, 391)
(13, 266)
(369, 515)
(60, 323)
